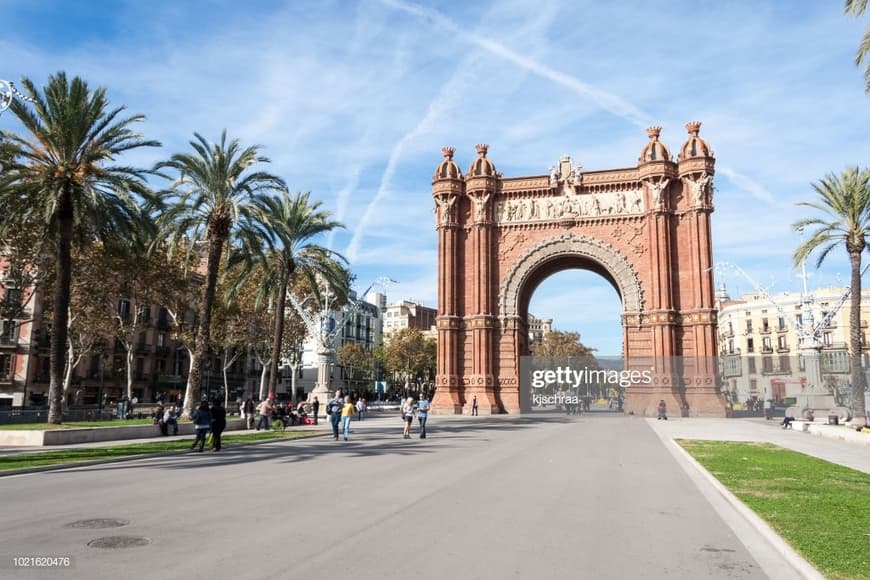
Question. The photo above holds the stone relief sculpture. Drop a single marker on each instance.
(658, 189)
(480, 202)
(569, 205)
(444, 206)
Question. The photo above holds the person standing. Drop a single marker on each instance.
(663, 410)
(201, 423)
(767, 409)
(218, 424)
(407, 417)
(333, 409)
(265, 410)
(360, 408)
(249, 413)
(423, 413)
(347, 412)
(315, 407)
(474, 405)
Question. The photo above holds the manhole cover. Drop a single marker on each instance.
(115, 542)
(98, 523)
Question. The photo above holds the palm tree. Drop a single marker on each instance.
(294, 223)
(857, 8)
(211, 199)
(845, 201)
(64, 177)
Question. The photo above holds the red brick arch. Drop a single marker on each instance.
(645, 229)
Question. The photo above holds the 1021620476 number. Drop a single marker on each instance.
(41, 561)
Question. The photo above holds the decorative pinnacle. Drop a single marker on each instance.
(482, 149)
(693, 127)
(448, 152)
(654, 133)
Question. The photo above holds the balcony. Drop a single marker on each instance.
(142, 348)
(162, 351)
(8, 341)
(766, 349)
(782, 348)
(765, 330)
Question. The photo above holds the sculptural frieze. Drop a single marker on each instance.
(570, 205)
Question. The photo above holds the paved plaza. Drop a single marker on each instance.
(538, 496)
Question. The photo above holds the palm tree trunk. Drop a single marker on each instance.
(859, 383)
(278, 334)
(60, 317)
(203, 332)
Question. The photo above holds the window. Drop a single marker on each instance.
(5, 367)
(799, 320)
(781, 323)
(750, 345)
(161, 339)
(752, 369)
(765, 344)
(765, 326)
(827, 339)
(124, 309)
(748, 327)
(766, 364)
(782, 343)
(8, 330)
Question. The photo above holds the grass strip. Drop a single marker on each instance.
(69, 456)
(822, 509)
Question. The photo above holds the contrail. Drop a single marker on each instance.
(611, 103)
(442, 101)
(341, 202)
(605, 100)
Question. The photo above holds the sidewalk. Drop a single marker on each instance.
(824, 445)
(324, 427)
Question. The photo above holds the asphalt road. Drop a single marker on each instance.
(543, 496)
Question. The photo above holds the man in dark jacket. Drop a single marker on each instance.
(218, 424)
(315, 407)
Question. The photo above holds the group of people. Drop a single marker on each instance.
(341, 410)
(207, 420)
(268, 411)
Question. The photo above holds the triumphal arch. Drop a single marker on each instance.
(645, 229)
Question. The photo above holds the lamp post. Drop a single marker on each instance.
(8, 93)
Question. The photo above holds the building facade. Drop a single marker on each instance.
(760, 342)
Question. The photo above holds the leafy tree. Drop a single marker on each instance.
(844, 202)
(294, 223)
(211, 200)
(410, 355)
(65, 177)
(558, 343)
(857, 8)
(358, 360)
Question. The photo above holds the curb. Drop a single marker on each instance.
(800, 565)
(90, 463)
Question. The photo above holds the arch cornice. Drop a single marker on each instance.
(605, 255)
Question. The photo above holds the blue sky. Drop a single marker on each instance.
(353, 101)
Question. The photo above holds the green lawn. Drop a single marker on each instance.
(820, 508)
(56, 457)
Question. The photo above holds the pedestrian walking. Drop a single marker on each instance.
(407, 416)
(265, 409)
(423, 413)
(218, 424)
(767, 409)
(315, 407)
(360, 408)
(346, 415)
(663, 410)
(474, 405)
(333, 409)
(249, 413)
(201, 423)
